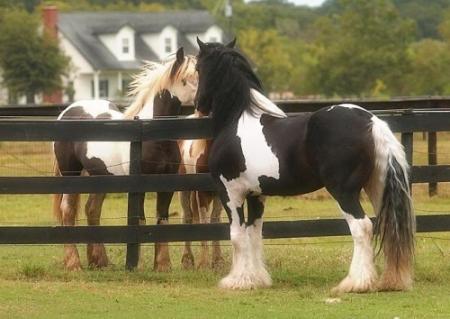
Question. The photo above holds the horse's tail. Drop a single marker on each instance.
(57, 198)
(390, 192)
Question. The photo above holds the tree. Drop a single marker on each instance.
(430, 71)
(268, 53)
(361, 50)
(31, 62)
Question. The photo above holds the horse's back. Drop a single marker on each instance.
(90, 110)
(342, 126)
(340, 143)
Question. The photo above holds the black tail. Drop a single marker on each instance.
(395, 226)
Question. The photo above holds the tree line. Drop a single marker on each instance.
(345, 48)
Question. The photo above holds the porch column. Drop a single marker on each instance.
(119, 83)
(97, 85)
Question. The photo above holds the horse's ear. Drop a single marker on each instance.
(180, 55)
(231, 44)
(201, 45)
(178, 62)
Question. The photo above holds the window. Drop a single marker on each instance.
(125, 85)
(103, 88)
(125, 45)
(168, 45)
(213, 39)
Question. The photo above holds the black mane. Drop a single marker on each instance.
(225, 80)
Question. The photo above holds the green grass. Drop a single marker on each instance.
(33, 283)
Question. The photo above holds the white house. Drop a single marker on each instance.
(106, 48)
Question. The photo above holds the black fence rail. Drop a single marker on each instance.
(289, 106)
(136, 131)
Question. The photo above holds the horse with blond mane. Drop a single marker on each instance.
(159, 90)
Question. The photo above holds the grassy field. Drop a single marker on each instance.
(33, 283)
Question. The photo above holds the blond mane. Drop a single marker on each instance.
(154, 78)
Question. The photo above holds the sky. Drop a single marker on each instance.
(311, 3)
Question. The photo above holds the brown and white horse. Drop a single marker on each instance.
(159, 89)
(195, 204)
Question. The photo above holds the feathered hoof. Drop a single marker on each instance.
(389, 283)
(349, 284)
(218, 263)
(162, 267)
(246, 281)
(187, 262)
(203, 264)
(98, 263)
(97, 257)
(72, 265)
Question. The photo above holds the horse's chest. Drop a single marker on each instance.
(260, 161)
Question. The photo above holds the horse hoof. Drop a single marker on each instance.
(96, 255)
(246, 281)
(394, 285)
(163, 267)
(73, 267)
(187, 262)
(218, 264)
(203, 264)
(72, 263)
(350, 285)
(97, 262)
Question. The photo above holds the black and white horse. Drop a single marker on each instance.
(259, 151)
(159, 89)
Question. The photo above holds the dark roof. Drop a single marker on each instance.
(83, 28)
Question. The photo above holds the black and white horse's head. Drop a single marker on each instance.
(225, 80)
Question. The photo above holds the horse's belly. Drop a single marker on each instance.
(113, 157)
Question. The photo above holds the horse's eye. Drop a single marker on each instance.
(184, 82)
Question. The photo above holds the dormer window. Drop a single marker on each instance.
(125, 45)
(168, 45)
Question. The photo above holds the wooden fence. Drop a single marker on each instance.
(405, 122)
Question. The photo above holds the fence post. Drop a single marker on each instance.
(432, 160)
(135, 203)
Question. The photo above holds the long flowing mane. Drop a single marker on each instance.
(228, 86)
(154, 78)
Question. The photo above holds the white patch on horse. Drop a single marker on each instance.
(259, 158)
(263, 105)
(248, 270)
(94, 108)
(188, 161)
(362, 274)
(115, 155)
(352, 106)
(346, 105)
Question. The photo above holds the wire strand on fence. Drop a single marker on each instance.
(30, 167)
(299, 242)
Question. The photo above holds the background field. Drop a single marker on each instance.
(34, 284)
